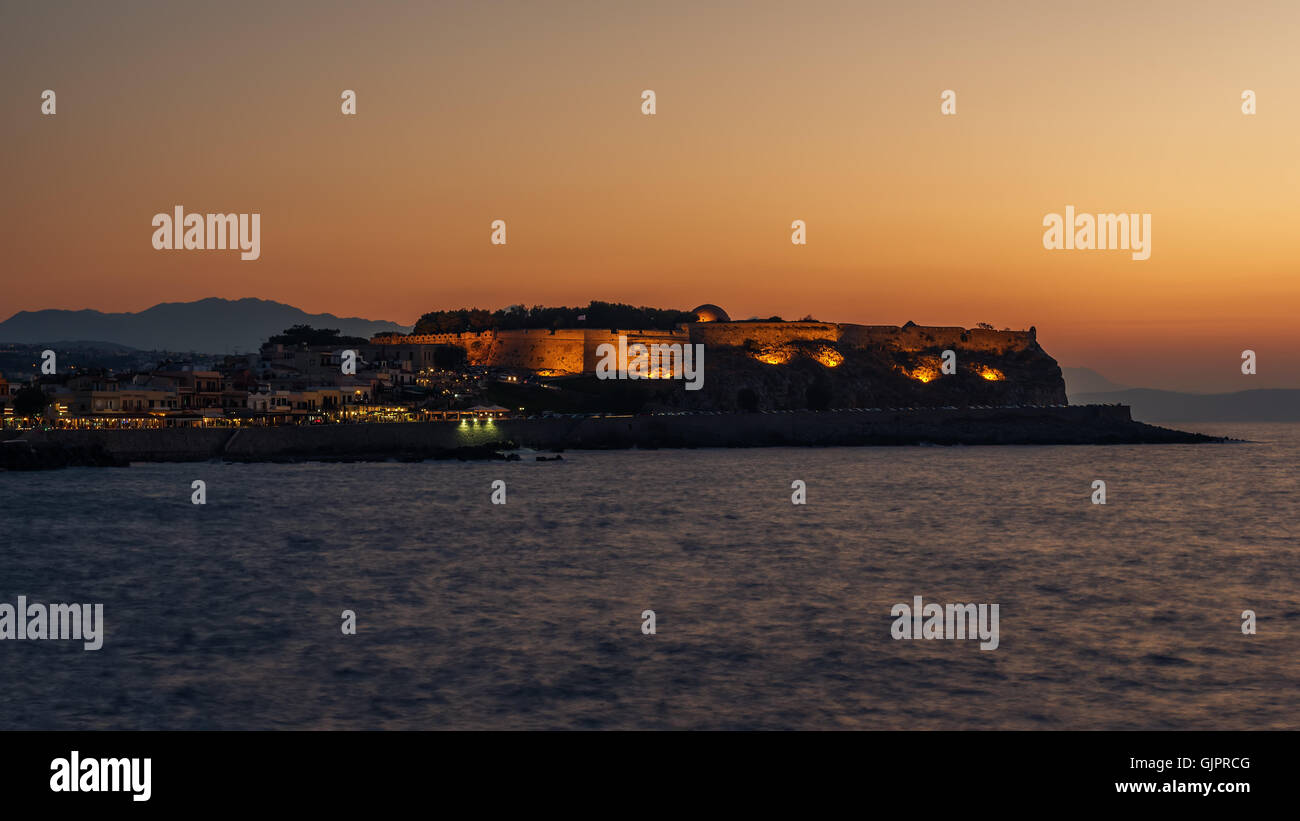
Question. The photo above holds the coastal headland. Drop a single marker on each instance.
(756, 364)
(1050, 425)
(473, 384)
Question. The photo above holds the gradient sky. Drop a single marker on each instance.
(767, 112)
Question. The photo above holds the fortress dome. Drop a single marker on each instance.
(710, 313)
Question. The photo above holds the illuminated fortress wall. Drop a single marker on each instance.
(764, 333)
(536, 349)
(894, 337)
(920, 337)
(596, 338)
(566, 350)
(573, 350)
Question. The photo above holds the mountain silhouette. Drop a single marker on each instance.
(1149, 405)
(1086, 380)
(209, 325)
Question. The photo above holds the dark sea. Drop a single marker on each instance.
(768, 615)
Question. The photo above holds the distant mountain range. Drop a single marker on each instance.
(1084, 386)
(206, 326)
(1149, 405)
(1086, 380)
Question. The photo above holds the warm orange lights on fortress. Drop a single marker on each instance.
(926, 370)
(829, 357)
(929, 369)
(774, 356)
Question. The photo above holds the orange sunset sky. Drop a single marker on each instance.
(767, 112)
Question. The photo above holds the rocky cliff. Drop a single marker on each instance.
(772, 365)
(858, 367)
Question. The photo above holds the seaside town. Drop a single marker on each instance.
(297, 377)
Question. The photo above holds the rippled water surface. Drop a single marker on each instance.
(769, 615)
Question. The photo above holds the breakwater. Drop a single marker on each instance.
(1085, 424)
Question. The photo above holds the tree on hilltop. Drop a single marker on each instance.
(307, 335)
(595, 315)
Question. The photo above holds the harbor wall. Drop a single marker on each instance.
(1047, 425)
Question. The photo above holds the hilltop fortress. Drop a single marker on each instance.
(573, 350)
(845, 365)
